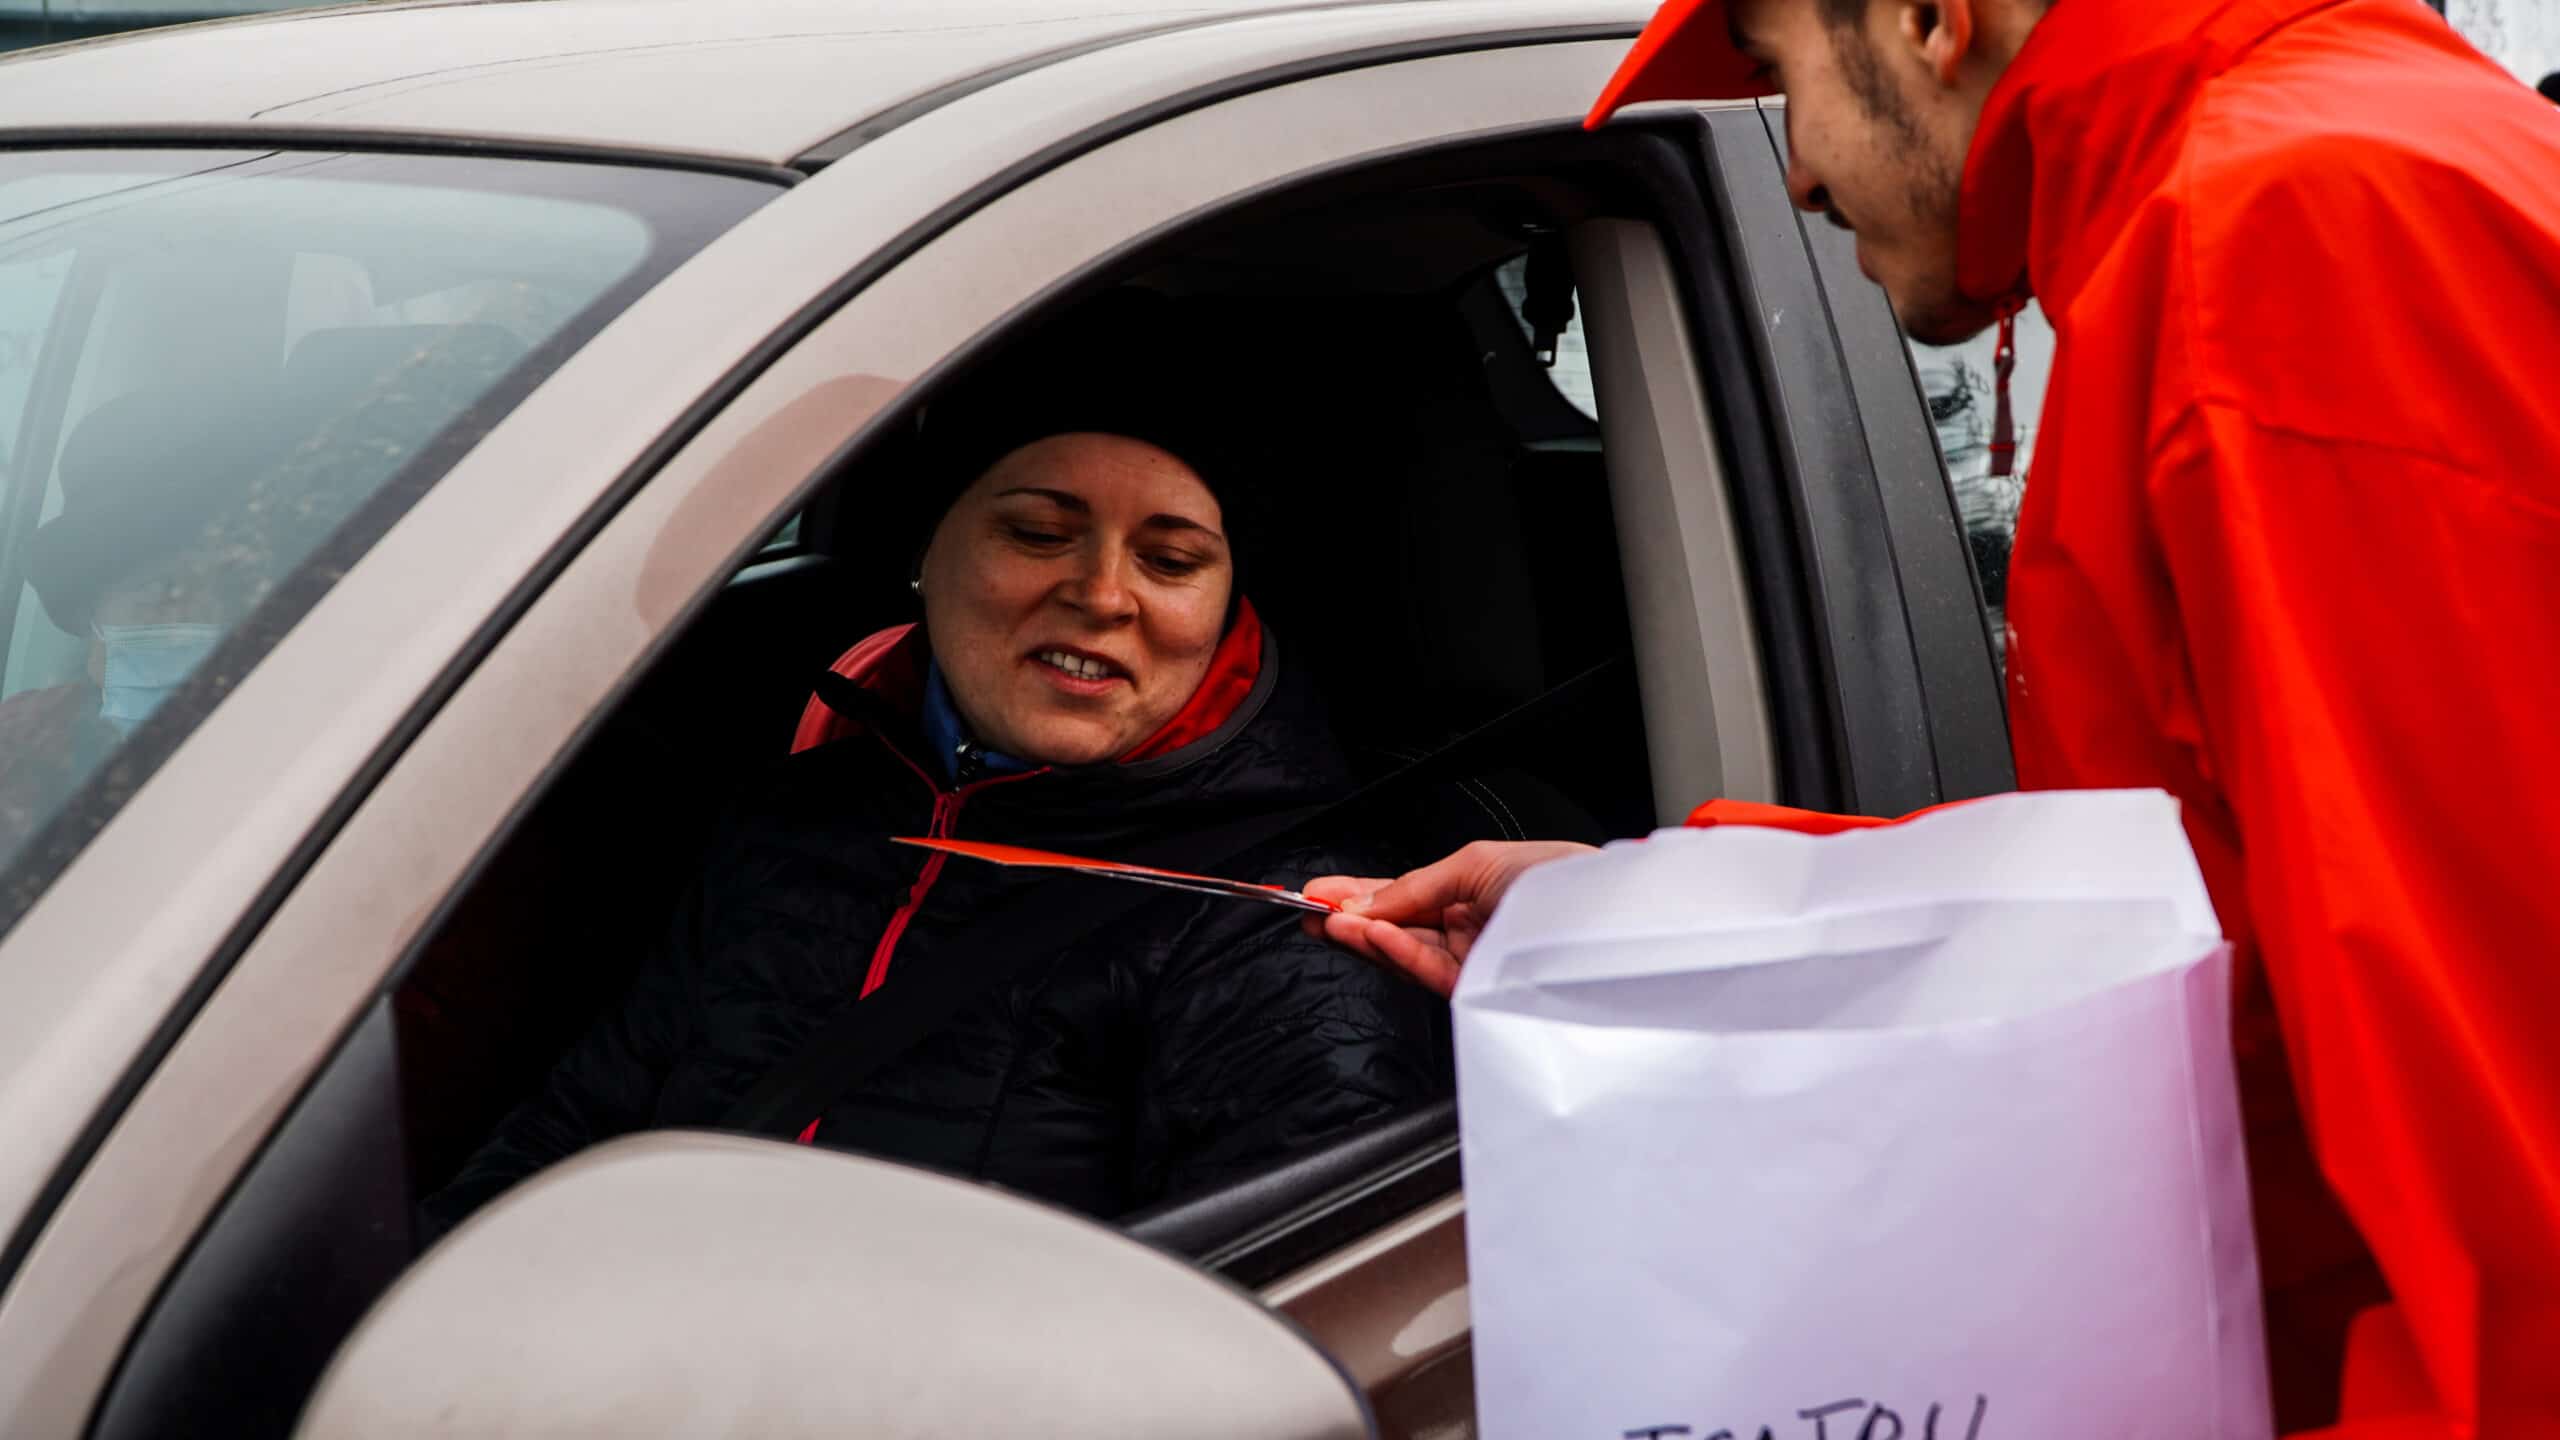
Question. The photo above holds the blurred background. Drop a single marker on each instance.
(41, 22)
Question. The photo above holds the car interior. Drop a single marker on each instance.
(1445, 554)
(1415, 440)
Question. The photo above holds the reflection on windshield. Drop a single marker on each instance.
(221, 375)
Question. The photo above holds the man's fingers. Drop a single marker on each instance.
(1418, 894)
(1334, 889)
(1476, 876)
(1462, 924)
(1348, 931)
(1420, 953)
(1425, 921)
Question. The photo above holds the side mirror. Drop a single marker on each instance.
(683, 1284)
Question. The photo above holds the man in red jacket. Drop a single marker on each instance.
(2290, 550)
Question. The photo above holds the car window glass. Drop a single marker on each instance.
(785, 541)
(221, 376)
(1571, 371)
(1960, 382)
(29, 292)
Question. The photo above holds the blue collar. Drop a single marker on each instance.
(948, 735)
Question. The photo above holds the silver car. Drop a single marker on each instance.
(436, 447)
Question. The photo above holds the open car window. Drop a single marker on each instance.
(223, 374)
(1105, 1073)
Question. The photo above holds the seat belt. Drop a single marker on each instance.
(866, 1035)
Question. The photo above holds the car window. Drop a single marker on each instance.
(1571, 368)
(1961, 384)
(222, 375)
(785, 541)
(29, 291)
(1484, 576)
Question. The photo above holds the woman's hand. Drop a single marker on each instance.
(1424, 922)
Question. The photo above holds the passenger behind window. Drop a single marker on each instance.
(1088, 677)
(162, 544)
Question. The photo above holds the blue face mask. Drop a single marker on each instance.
(144, 663)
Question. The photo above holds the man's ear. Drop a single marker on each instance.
(1940, 34)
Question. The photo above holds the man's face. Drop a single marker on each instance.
(1877, 129)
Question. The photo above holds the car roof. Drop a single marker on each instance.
(761, 81)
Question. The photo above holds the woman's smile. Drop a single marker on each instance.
(1079, 672)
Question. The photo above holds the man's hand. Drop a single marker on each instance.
(1425, 922)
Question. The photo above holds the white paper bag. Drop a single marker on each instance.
(1918, 1133)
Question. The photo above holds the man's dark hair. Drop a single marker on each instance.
(2550, 86)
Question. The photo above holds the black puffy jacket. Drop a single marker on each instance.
(1194, 1040)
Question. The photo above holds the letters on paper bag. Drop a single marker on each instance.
(1926, 1132)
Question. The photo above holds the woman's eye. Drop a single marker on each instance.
(1173, 565)
(1029, 536)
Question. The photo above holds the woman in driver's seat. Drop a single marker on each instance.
(1087, 678)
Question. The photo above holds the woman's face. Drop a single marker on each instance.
(1074, 596)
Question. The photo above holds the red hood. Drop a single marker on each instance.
(891, 664)
(2081, 127)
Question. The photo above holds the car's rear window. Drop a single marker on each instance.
(223, 375)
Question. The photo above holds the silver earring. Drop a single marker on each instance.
(917, 585)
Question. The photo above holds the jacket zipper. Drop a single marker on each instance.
(946, 808)
(946, 814)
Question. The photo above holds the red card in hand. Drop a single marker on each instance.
(1115, 870)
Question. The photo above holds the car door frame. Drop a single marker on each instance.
(651, 561)
(306, 978)
(1907, 661)
(1867, 607)
(234, 818)
(1956, 655)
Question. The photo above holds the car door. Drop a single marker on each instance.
(1911, 672)
(1772, 452)
(284, 483)
(1778, 668)
(675, 510)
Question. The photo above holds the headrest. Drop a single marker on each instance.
(148, 479)
(1390, 467)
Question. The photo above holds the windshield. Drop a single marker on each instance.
(223, 375)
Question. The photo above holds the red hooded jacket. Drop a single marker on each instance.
(2291, 550)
